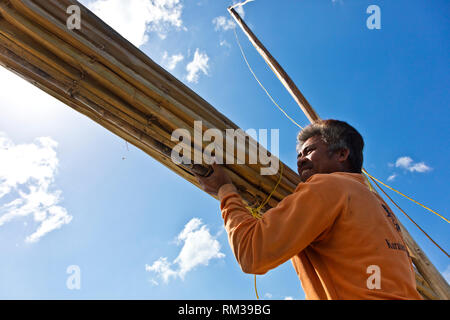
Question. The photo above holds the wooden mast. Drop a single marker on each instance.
(426, 269)
(276, 68)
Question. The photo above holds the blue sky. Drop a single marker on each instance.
(72, 193)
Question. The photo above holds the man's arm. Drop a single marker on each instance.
(301, 218)
(284, 231)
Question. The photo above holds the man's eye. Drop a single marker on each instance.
(305, 152)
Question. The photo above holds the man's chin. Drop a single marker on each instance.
(306, 174)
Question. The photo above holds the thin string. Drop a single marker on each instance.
(259, 82)
(445, 252)
(256, 212)
(256, 290)
(373, 178)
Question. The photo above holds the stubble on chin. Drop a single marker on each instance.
(305, 175)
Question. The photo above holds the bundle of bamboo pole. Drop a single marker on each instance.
(100, 74)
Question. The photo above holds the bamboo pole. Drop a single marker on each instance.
(424, 288)
(423, 264)
(276, 68)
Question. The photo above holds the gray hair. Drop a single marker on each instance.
(337, 135)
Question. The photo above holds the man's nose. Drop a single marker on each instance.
(301, 160)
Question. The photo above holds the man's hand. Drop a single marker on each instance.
(217, 179)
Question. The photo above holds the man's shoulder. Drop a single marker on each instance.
(331, 189)
(338, 176)
(337, 180)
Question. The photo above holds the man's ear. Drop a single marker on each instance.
(343, 154)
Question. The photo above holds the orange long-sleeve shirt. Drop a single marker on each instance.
(338, 234)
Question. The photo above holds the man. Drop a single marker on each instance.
(343, 240)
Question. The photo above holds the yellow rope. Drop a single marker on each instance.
(248, 65)
(434, 242)
(256, 290)
(406, 196)
(256, 212)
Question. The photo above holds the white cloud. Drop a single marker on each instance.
(392, 177)
(408, 164)
(288, 298)
(163, 268)
(171, 61)
(268, 295)
(197, 65)
(199, 247)
(29, 170)
(133, 18)
(419, 167)
(222, 23)
(403, 162)
(224, 43)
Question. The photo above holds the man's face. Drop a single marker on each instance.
(314, 158)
